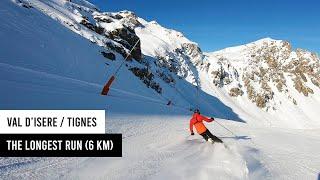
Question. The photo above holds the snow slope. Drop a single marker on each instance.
(48, 60)
(157, 147)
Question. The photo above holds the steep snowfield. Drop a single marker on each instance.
(157, 39)
(159, 42)
(47, 64)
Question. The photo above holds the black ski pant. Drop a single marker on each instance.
(207, 134)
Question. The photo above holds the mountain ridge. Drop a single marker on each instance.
(266, 73)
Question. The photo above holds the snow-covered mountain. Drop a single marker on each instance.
(163, 63)
(279, 80)
(59, 54)
(263, 67)
(267, 75)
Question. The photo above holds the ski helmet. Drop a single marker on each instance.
(197, 111)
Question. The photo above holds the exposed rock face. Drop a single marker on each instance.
(304, 67)
(147, 77)
(109, 55)
(129, 18)
(118, 27)
(181, 62)
(263, 68)
(235, 92)
(97, 29)
(194, 53)
(166, 77)
(23, 3)
(100, 18)
(122, 31)
(127, 37)
(118, 49)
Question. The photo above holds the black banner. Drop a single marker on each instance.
(60, 145)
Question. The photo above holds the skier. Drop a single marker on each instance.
(196, 121)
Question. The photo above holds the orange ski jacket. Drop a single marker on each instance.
(197, 122)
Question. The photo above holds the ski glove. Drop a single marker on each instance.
(192, 134)
(212, 118)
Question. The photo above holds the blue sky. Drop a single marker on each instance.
(216, 24)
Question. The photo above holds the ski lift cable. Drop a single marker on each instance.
(135, 99)
(147, 99)
(106, 87)
(125, 59)
(168, 101)
(151, 101)
(137, 95)
(197, 97)
(179, 92)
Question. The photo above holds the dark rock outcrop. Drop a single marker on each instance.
(127, 37)
(109, 55)
(147, 78)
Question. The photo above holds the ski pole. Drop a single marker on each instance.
(227, 129)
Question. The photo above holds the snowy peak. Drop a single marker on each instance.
(268, 73)
(115, 20)
(167, 39)
(252, 46)
(265, 40)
